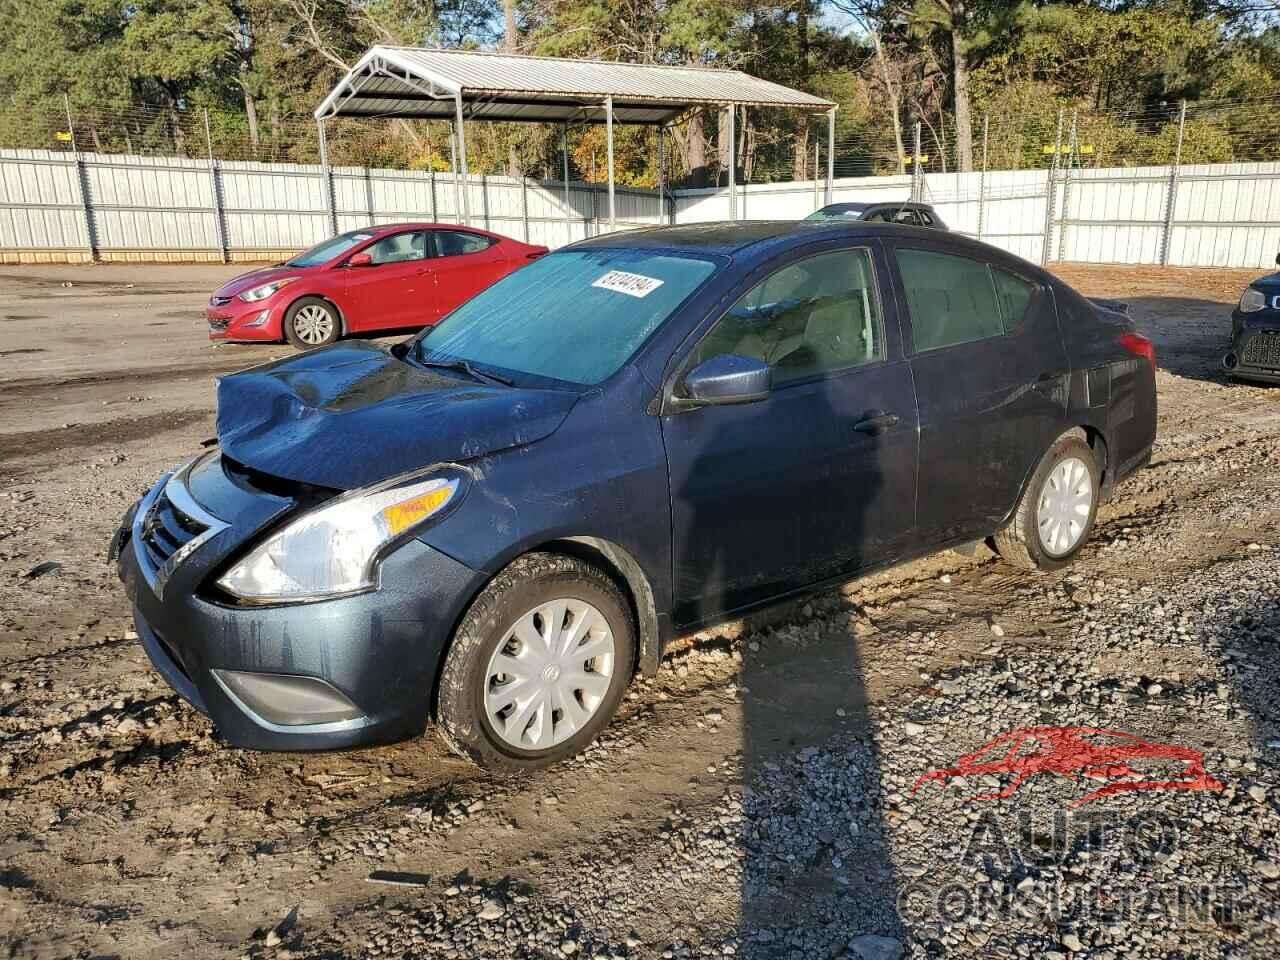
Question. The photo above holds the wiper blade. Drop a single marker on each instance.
(463, 366)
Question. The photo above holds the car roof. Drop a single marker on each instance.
(385, 228)
(733, 238)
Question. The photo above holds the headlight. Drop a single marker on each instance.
(1251, 301)
(334, 549)
(266, 290)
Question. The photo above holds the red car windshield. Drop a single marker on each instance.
(333, 247)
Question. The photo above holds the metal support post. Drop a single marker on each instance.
(1051, 197)
(82, 182)
(1171, 191)
(733, 161)
(831, 154)
(916, 176)
(817, 165)
(462, 157)
(1065, 218)
(524, 204)
(215, 185)
(613, 211)
(982, 178)
(326, 180)
(453, 167)
(564, 149)
(662, 177)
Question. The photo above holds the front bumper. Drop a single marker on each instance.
(1255, 347)
(378, 652)
(239, 321)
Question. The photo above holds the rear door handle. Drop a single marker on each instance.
(876, 422)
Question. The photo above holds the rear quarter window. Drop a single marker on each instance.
(1015, 295)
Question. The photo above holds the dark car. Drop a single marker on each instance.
(910, 214)
(392, 277)
(633, 437)
(1255, 332)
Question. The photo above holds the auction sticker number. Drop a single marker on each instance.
(632, 284)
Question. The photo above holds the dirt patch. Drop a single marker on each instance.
(39, 444)
(714, 811)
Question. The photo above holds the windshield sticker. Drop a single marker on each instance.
(632, 284)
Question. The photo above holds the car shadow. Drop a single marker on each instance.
(816, 870)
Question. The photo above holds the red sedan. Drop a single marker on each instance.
(391, 277)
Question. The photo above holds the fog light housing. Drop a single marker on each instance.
(286, 700)
(259, 320)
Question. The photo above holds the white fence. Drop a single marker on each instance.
(57, 207)
(63, 207)
(1208, 215)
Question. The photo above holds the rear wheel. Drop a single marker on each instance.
(538, 665)
(1055, 516)
(311, 322)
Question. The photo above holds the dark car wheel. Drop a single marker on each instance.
(1055, 516)
(311, 322)
(538, 665)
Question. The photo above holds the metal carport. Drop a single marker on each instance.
(458, 85)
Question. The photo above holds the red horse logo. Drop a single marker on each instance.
(1077, 752)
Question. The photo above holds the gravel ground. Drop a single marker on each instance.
(758, 798)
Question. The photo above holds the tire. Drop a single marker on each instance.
(1021, 542)
(305, 329)
(471, 685)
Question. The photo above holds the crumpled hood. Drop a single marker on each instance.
(255, 278)
(351, 414)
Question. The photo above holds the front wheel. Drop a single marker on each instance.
(311, 322)
(538, 665)
(1055, 516)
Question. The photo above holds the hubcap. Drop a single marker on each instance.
(1065, 502)
(312, 324)
(550, 674)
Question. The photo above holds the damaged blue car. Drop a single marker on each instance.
(1254, 353)
(493, 525)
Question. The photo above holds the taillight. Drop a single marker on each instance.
(1140, 346)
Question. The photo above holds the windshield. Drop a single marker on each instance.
(843, 211)
(324, 252)
(576, 316)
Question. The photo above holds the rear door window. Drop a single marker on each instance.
(457, 243)
(952, 299)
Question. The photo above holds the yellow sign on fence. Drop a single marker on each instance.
(63, 135)
(1048, 149)
(924, 158)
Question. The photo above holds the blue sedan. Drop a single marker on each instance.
(493, 525)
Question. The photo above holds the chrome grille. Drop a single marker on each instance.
(168, 526)
(219, 301)
(166, 529)
(218, 323)
(1262, 350)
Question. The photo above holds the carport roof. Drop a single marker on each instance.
(414, 82)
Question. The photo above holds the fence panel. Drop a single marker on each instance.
(60, 207)
(40, 206)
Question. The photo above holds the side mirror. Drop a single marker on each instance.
(401, 350)
(360, 260)
(728, 378)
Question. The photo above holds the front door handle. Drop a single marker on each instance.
(877, 421)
